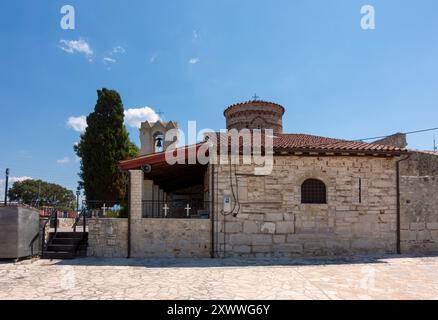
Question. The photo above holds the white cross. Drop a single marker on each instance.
(104, 208)
(165, 208)
(188, 210)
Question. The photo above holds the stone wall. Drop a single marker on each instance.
(66, 224)
(396, 140)
(107, 237)
(158, 238)
(273, 222)
(419, 203)
(419, 214)
(420, 164)
(152, 238)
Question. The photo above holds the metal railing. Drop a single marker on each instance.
(105, 209)
(52, 217)
(177, 209)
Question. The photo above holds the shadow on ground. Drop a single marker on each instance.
(234, 262)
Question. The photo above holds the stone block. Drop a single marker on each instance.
(279, 238)
(268, 227)
(407, 235)
(417, 226)
(423, 235)
(261, 239)
(240, 239)
(432, 226)
(241, 249)
(250, 227)
(273, 217)
(288, 247)
(285, 227)
(233, 227)
(258, 249)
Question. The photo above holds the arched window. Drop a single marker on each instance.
(158, 142)
(313, 191)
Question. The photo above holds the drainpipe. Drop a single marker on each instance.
(398, 202)
(212, 212)
(129, 216)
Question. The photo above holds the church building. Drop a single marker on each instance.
(323, 196)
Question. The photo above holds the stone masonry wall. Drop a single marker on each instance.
(168, 238)
(419, 214)
(107, 237)
(273, 222)
(419, 203)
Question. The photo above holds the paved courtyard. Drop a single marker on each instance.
(384, 277)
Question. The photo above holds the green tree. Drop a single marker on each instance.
(38, 192)
(103, 144)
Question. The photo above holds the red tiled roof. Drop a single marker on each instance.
(306, 142)
(255, 102)
(288, 142)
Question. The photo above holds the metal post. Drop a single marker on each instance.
(56, 220)
(6, 186)
(78, 193)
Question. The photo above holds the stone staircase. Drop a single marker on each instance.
(66, 245)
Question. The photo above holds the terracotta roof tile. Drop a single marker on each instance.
(309, 143)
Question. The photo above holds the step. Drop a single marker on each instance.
(61, 247)
(69, 235)
(57, 255)
(65, 240)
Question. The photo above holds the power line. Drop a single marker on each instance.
(410, 132)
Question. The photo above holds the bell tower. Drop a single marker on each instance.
(152, 136)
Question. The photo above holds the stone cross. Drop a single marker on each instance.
(165, 208)
(255, 97)
(188, 210)
(104, 208)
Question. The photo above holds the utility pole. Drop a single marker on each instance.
(78, 193)
(6, 186)
(434, 144)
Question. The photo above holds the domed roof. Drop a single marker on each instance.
(254, 103)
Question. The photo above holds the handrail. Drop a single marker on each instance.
(82, 215)
(43, 233)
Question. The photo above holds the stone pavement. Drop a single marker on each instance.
(370, 277)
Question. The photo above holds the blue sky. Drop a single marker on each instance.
(190, 59)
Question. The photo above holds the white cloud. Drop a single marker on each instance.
(11, 181)
(135, 116)
(78, 124)
(109, 60)
(194, 60)
(79, 46)
(63, 160)
(119, 49)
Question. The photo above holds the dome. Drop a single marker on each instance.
(255, 114)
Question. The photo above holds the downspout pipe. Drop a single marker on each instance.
(399, 203)
(212, 253)
(129, 217)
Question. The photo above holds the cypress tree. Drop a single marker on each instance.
(103, 144)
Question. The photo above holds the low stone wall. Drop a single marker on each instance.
(66, 223)
(158, 238)
(419, 214)
(107, 237)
